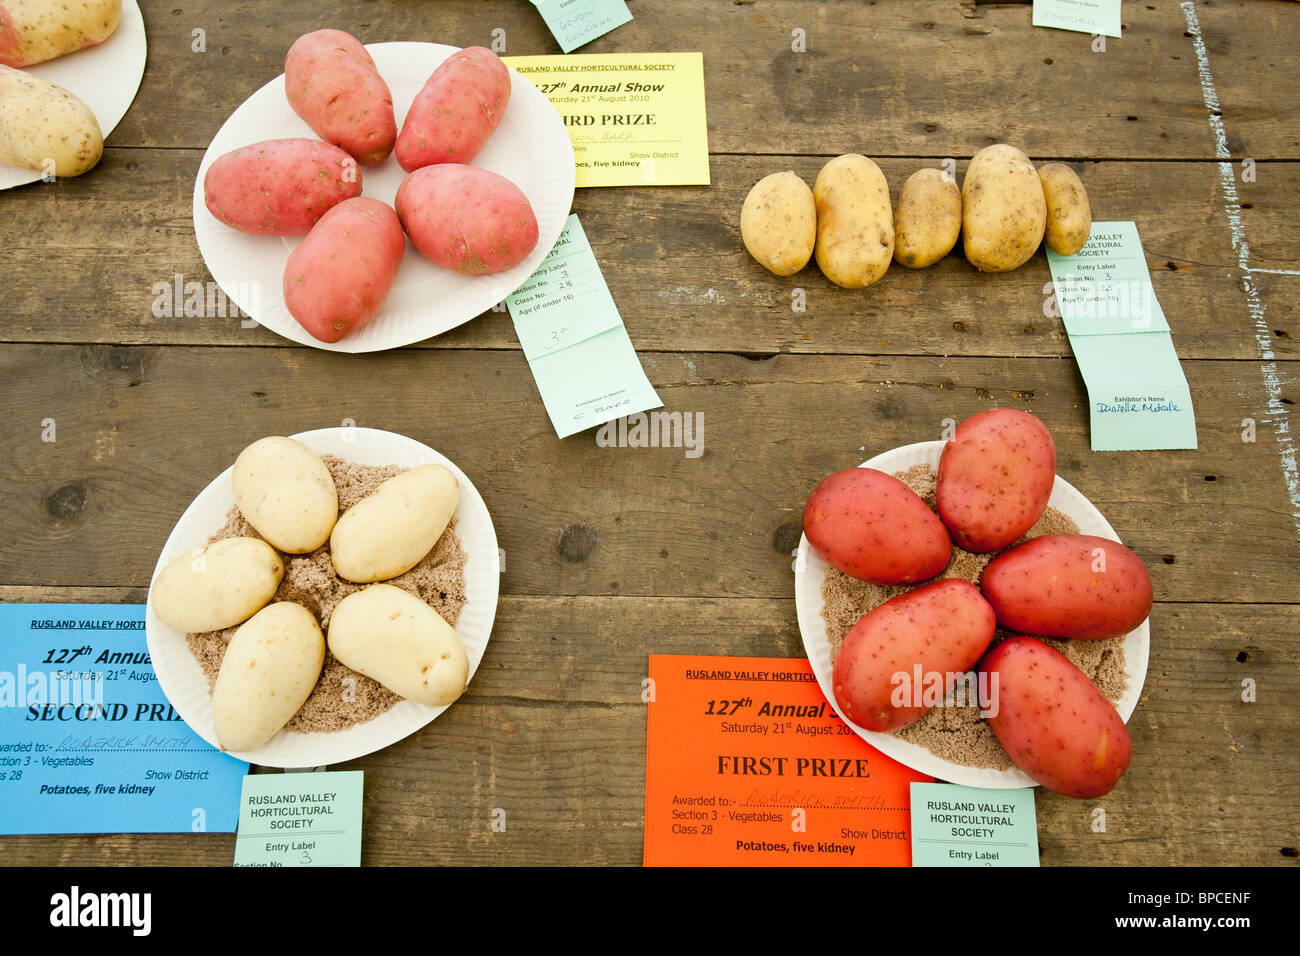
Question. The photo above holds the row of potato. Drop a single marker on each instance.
(41, 122)
(995, 478)
(460, 217)
(1004, 210)
(274, 659)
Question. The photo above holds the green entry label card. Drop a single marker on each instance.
(1082, 16)
(1105, 287)
(970, 826)
(574, 23)
(300, 819)
(566, 300)
(581, 357)
(1138, 397)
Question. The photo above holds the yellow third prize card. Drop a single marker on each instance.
(636, 119)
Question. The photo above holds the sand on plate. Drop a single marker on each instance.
(342, 698)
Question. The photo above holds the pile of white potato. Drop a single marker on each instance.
(274, 659)
(42, 125)
(1004, 210)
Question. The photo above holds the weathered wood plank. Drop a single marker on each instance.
(141, 430)
(924, 77)
(683, 555)
(1249, 47)
(552, 731)
(85, 254)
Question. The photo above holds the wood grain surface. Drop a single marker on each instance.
(613, 554)
(552, 731)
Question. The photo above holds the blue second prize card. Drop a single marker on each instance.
(88, 742)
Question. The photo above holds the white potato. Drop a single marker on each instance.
(271, 665)
(778, 223)
(217, 586)
(389, 531)
(927, 219)
(286, 493)
(391, 636)
(43, 126)
(1004, 211)
(855, 222)
(1069, 218)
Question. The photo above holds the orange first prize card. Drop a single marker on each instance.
(747, 764)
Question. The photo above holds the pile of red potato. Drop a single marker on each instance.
(995, 477)
(458, 216)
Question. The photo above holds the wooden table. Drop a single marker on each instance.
(612, 554)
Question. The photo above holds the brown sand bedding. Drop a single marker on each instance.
(342, 697)
(959, 734)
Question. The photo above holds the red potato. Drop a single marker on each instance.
(339, 276)
(331, 81)
(995, 476)
(466, 219)
(1068, 585)
(941, 628)
(1054, 722)
(460, 106)
(874, 528)
(279, 187)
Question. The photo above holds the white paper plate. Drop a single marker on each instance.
(531, 147)
(104, 77)
(810, 572)
(181, 678)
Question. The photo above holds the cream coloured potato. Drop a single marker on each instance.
(927, 219)
(43, 126)
(286, 493)
(391, 636)
(217, 586)
(778, 223)
(33, 31)
(855, 224)
(1004, 212)
(1069, 217)
(389, 531)
(270, 668)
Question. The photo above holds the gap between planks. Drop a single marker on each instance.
(122, 594)
(1208, 160)
(748, 356)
